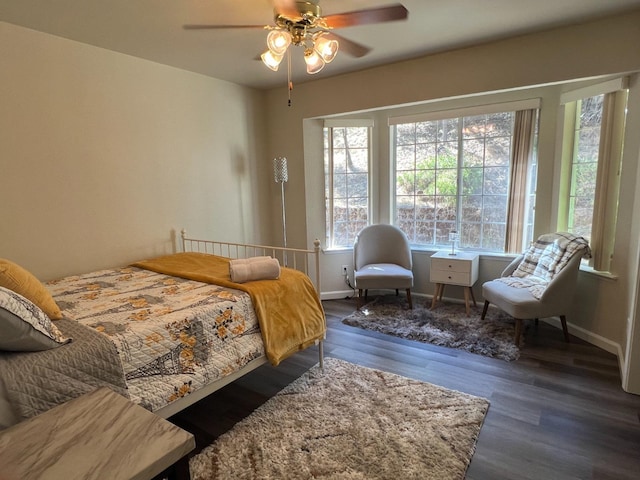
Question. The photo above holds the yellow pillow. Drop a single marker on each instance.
(16, 278)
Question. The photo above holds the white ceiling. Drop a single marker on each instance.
(152, 29)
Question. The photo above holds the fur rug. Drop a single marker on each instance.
(446, 325)
(350, 422)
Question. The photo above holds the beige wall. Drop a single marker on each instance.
(103, 154)
(532, 65)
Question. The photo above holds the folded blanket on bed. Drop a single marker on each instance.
(255, 268)
(289, 311)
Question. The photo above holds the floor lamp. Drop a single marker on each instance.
(281, 175)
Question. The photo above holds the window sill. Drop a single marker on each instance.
(431, 250)
(337, 250)
(597, 273)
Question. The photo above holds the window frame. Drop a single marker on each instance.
(608, 167)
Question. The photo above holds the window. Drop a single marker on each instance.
(584, 165)
(346, 167)
(592, 152)
(453, 174)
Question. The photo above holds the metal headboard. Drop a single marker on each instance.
(296, 258)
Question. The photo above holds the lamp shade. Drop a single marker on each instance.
(325, 47)
(280, 171)
(278, 41)
(313, 60)
(271, 60)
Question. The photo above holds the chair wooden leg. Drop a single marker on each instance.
(359, 299)
(397, 292)
(518, 331)
(434, 299)
(484, 310)
(565, 330)
(466, 300)
(409, 298)
(366, 294)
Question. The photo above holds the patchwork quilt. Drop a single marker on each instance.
(172, 335)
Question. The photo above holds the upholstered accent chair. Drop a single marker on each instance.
(540, 283)
(382, 260)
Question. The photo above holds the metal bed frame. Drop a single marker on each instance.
(299, 259)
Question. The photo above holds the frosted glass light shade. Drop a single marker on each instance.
(326, 48)
(278, 41)
(271, 60)
(313, 60)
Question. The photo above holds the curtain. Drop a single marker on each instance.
(523, 133)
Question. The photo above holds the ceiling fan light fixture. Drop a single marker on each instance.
(313, 60)
(300, 23)
(325, 47)
(278, 41)
(271, 60)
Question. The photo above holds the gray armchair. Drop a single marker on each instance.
(382, 260)
(552, 299)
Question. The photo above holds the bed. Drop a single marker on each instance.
(165, 332)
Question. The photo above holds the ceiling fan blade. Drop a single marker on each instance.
(367, 16)
(211, 27)
(349, 46)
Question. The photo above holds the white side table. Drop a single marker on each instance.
(459, 269)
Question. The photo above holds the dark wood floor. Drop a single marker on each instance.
(556, 413)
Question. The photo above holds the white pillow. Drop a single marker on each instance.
(24, 327)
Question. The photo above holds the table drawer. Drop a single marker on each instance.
(450, 277)
(450, 265)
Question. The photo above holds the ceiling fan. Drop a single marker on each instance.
(301, 23)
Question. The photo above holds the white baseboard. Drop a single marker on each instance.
(337, 295)
(592, 338)
(340, 294)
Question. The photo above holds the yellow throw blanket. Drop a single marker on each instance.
(288, 309)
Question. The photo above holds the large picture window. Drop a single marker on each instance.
(346, 167)
(453, 175)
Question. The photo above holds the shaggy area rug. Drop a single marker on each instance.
(350, 422)
(446, 325)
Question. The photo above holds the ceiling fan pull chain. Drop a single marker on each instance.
(289, 82)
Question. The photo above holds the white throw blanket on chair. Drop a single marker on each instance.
(545, 259)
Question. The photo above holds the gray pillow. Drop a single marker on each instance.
(24, 327)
